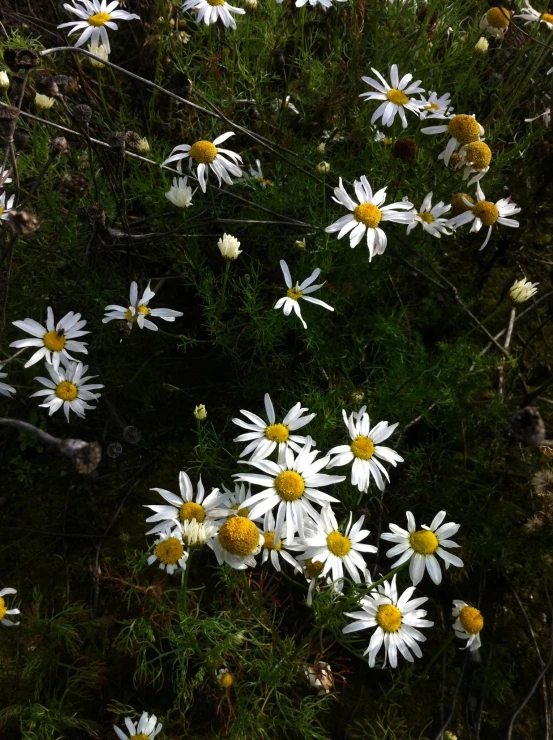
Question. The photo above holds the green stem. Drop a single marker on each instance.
(184, 583)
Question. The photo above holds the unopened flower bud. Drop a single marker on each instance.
(200, 413)
(229, 247)
(481, 46)
(98, 50)
(250, 4)
(4, 80)
(43, 102)
(321, 148)
(522, 290)
(449, 735)
(143, 146)
(323, 168)
(301, 244)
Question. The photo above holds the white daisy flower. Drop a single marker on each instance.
(288, 105)
(419, 547)
(462, 129)
(290, 302)
(257, 174)
(4, 609)
(206, 155)
(95, 16)
(366, 216)
(530, 15)
(431, 218)
(397, 621)
(145, 729)
(496, 22)
(486, 213)
(5, 205)
(197, 534)
(180, 193)
(263, 437)
(54, 340)
(475, 158)
(68, 388)
(291, 484)
(326, 544)
(238, 501)
(138, 310)
(237, 543)
(169, 551)
(209, 11)
(365, 450)
(435, 106)
(468, 625)
(397, 96)
(274, 544)
(519, 292)
(5, 389)
(184, 508)
(325, 3)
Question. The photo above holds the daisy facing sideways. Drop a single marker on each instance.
(290, 302)
(169, 551)
(462, 130)
(419, 547)
(5, 389)
(530, 15)
(67, 387)
(208, 155)
(6, 203)
(275, 546)
(4, 609)
(468, 624)
(367, 214)
(436, 107)
(398, 621)
(145, 729)
(138, 310)
(95, 16)
(496, 22)
(365, 451)
(486, 213)
(263, 437)
(54, 340)
(430, 218)
(209, 11)
(396, 97)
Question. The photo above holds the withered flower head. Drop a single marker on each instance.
(405, 149)
(21, 139)
(45, 85)
(181, 84)
(82, 113)
(21, 59)
(95, 214)
(63, 82)
(75, 184)
(542, 482)
(116, 140)
(23, 223)
(527, 427)
(132, 139)
(60, 145)
(132, 435)
(8, 121)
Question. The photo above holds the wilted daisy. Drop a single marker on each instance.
(462, 129)
(320, 677)
(237, 543)
(397, 96)
(229, 246)
(263, 437)
(169, 551)
(486, 213)
(326, 544)
(290, 302)
(496, 22)
(185, 507)
(5, 389)
(312, 570)
(275, 545)
(55, 340)
(468, 625)
(288, 105)
(145, 729)
(4, 609)
(95, 16)
(206, 155)
(365, 450)
(420, 547)
(475, 158)
(138, 310)
(292, 485)
(180, 193)
(257, 174)
(397, 621)
(435, 106)
(522, 290)
(366, 216)
(5, 204)
(67, 386)
(196, 534)
(430, 217)
(529, 15)
(209, 11)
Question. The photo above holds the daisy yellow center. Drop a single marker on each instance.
(487, 212)
(455, 159)
(362, 447)
(269, 542)
(424, 542)
(498, 17)
(388, 617)
(387, 141)
(547, 17)
(214, 3)
(289, 485)
(397, 96)
(170, 551)
(244, 511)
(313, 568)
(67, 391)
(431, 106)
(98, 19)
(458, 204)
(3, 608)
(464, 128)
(239, 536)
(425, 216)
(479, 154)
(338, 544)
(1, 211)
(471, 619)
(277, 433)
(368, 214)
(204, 152)
(54, 341)
(191, 510)
(263, 180)
(227, 679)
(295, 294)
(140, 736)
(144, 310)
(128, 315)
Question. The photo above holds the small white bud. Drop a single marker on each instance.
(321, 148)
(323, 168)
(4, 80)
(522, 290)
(43, 101)
(143, 147)
(200, 413)
(250, 4)
(481, 46)
(180, 193)
(98, 50)
(229, 247)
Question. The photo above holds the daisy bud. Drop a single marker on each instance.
(43, 102)
(180, 193)
(23, 223)
(449, 735)
(99, 50)
(405, 149)
(323, 168)
(321, 148)
(301, 244)
(143, 146)
(200, 413)
(184, 37)
(522, 290)
(481, 46)
(250, 4)
(225, 678)
(4, 80)
(229, 246)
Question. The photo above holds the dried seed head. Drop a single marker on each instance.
(8, 121)
(75, 184)
(45, 85)
(405, 149)
(60, 145)
(21, 139)
(95, 214)
(181, 84)
(23, 223)
(82, 113)
(116, 140)
(132, 435)
(132, 140)
(542, 483)
(534, 524)
(86, 456)
(115, 449)
(21, 59)
(16, 88)
(64, 84)
(527, 427)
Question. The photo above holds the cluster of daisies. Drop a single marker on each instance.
(288, 519)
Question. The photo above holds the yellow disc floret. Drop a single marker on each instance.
(54, 340)
(426, 216)
(277, 433)
(3, 608)
(388, 617)
(140, 736)
(338, 544)
(431, 106)
(471, 619)
(424, 542)
(368, 214)
(203, 152)
(458, 204)
(269, 542)
(191, 510)
(397, 96)
(486, 211)
(239, 536)
(98, 19)
(362, 447)
(464, 128)
(478, 154)
(294, 293)
(547, 17)
(226, 680)
(498, 17)
(144, 310)
(289, 485)
(313, 568)
(169, 551)
(67, 391)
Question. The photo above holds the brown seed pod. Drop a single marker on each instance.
(405, 149)
(59, 145)
(23, 223)
(75, 184)
(21, 59)
(82, 113)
